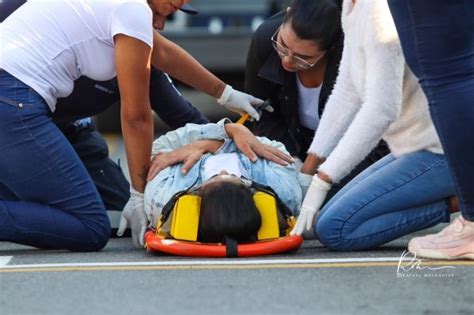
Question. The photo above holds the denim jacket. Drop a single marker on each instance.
(283, 179)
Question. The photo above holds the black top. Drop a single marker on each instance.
(265, 78)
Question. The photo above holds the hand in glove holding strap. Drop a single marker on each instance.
(134, 215)
(241, 103)
(317, 192)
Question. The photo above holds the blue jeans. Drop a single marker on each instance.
(47, 199)
(391, 198)
(438, 43)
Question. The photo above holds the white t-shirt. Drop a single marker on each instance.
(308, 105)
(47, 44)
(228, 162)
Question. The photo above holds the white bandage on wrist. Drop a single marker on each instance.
(225, 95)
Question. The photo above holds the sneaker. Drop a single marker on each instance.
(456, 241)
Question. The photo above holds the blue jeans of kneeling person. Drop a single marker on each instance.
(392, 198)
(47, 198)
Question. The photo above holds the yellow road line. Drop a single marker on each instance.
(233, 267)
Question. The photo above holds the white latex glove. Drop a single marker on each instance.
(134, 215)
(317, 191)
(304, 180)
(239, 102)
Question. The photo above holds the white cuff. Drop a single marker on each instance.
(135, 194)
(320, 184)
(225, 95)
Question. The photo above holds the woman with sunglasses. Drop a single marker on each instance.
(209, 160)
(293, 61)
(47, 199)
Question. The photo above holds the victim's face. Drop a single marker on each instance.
(223, 176)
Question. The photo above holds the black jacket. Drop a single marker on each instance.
(265, 78)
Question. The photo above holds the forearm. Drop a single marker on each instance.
(311, 164)
(132, 60)
(138, 137)
(380, 109)
(189, 134)
(361, 137)
(232, 129)
(174, 60)
(339, 112)
(210, 146)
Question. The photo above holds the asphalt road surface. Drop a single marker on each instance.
(124, 280)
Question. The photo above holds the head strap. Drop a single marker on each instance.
(231, 247)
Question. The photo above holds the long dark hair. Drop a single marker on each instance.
(318, 20)
(228, 210)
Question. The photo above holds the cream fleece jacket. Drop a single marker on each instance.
(375, 96)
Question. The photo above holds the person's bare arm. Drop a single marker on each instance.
(132, 58)
(311, 164)
(249, 145)
(174, 60)
(188, 154)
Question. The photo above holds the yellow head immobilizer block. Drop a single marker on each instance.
(185, 217)
(185, 220)
(266, 205)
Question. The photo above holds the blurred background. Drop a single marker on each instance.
(218, 37)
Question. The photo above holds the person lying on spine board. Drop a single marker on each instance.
(218, 162)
